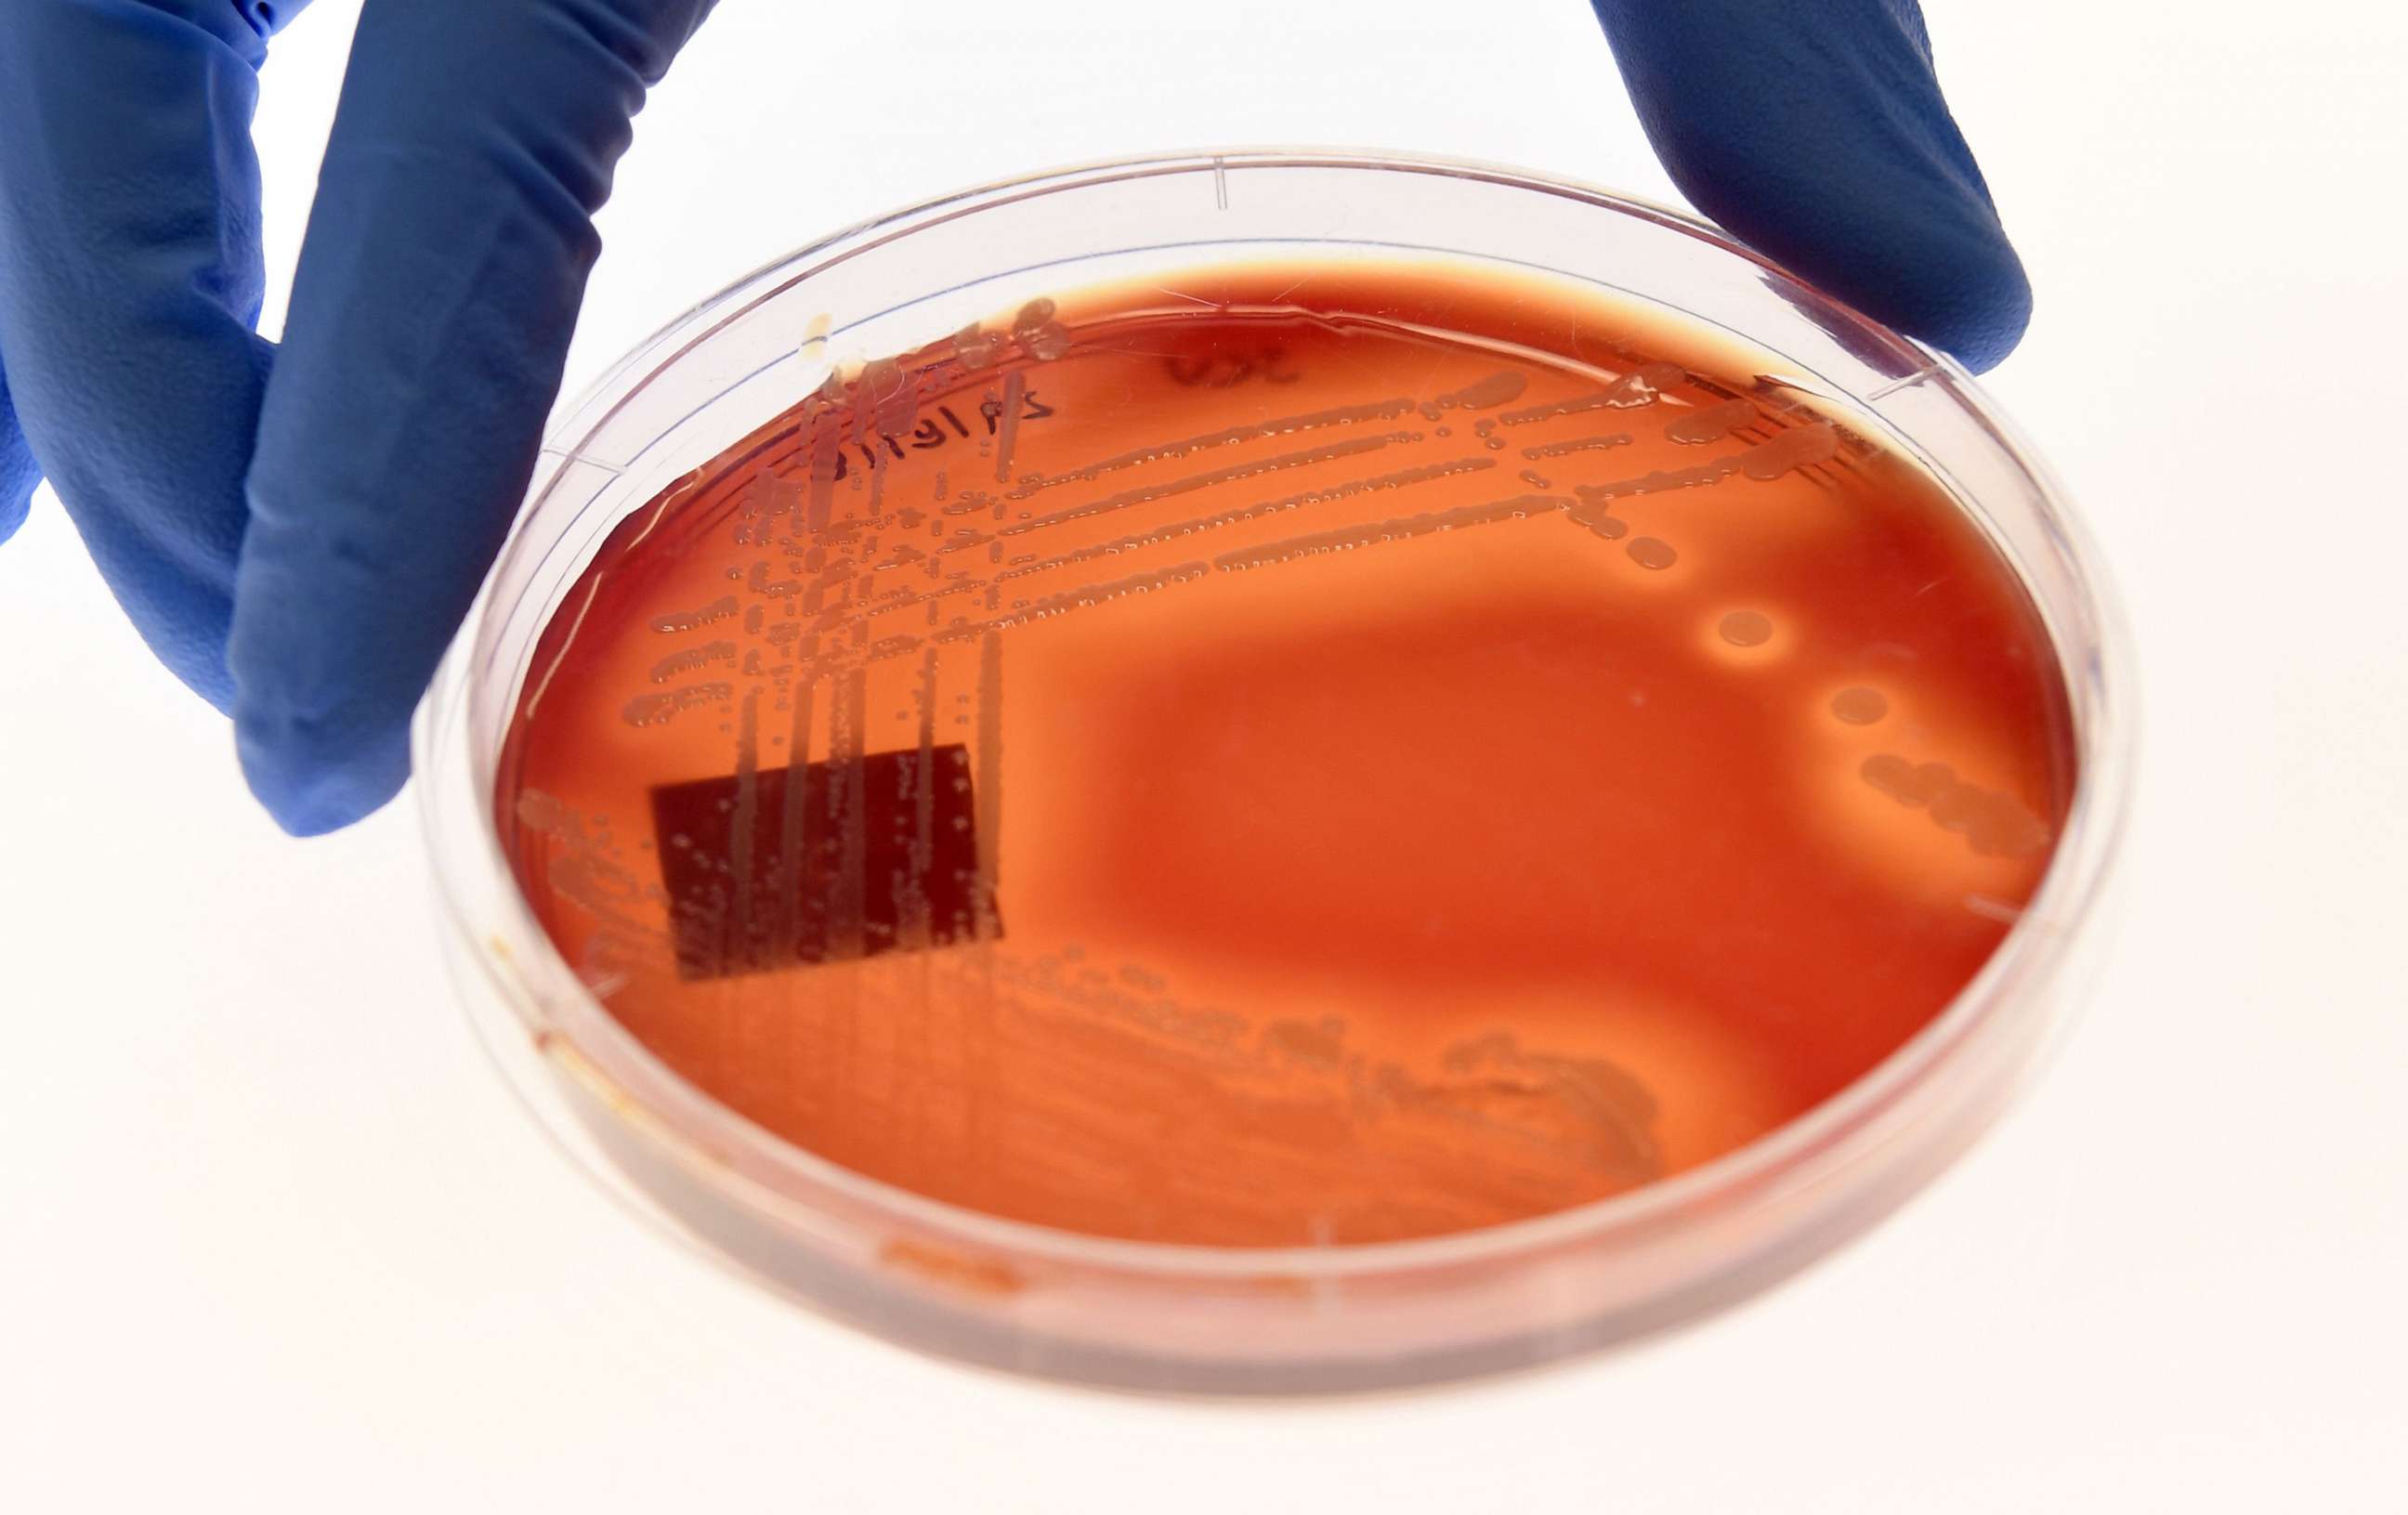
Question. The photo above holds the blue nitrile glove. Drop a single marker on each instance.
(1814, 131)
(297, 533)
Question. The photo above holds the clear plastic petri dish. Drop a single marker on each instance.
(1392, 1296)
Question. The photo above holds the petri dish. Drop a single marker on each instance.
(1277, 771)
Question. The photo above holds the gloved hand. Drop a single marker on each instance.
(298, 532)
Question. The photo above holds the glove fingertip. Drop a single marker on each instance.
(1818, 136)
(1934, 266)
(315, 777)
(18, 472)
(16, 503)
(1990, 322)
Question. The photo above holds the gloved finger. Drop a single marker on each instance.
(439, 282)
(18, 475)
(130, 276)
(1816, 135)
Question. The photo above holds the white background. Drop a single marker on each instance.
(272, 1236)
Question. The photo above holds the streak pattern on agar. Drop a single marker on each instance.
(1228, 811)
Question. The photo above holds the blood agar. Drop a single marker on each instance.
(1292, 753)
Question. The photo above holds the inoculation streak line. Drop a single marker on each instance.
(1211, 478)
(1394, 529)
(1346, 415)
(1401, 478)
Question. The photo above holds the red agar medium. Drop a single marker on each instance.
(1307, 754)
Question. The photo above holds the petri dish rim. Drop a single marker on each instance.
(700, 1132)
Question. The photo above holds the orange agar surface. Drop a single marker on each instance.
(1305, 755)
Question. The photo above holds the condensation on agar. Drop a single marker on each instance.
(1289, 755)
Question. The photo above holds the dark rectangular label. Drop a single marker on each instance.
(886, 851)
